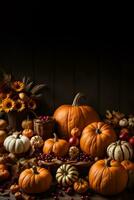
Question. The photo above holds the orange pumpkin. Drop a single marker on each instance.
(4, 173)
(3, 124)
(3, 136)
(35, 180)
(28, 132)
(107, 177)
(75, 132)
(57, 146)
(69, 116)
(95, 139)
(81, 186)
(128, 165)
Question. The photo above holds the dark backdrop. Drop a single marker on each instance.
(102, 69)
(96, 62)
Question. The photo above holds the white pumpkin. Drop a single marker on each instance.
(131, 121)
(123, 122)
(36, 141)
(66, 174)
(17, 143)
(120, 150)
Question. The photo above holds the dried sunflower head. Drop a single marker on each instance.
(8, 104)
(18, 86)
(32, 104)
(19, 105)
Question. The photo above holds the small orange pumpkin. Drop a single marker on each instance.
(3, 124)
(14, 188)
(57, 146)
(4, 173)
(108, 177)
(69, 116)
(96, 137)
(35, 180)
(3, 136)
(81, 186)
(28, 132)
(128, 164)
(75, 132)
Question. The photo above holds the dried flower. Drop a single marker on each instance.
(19, 105)
(32, 104)
(8, 104)
(18, 86)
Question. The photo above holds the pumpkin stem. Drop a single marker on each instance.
(34, 168)
(17, 134)
(55, 137)
(77, 98)
(107, 162)
(118, 142)
(98, 131)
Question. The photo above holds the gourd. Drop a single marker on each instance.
(4, 173)
(27, 123)
(81, 185)
(28, 132)
(17, 143)
(57, 146)
(3, 124)
(120, 150)
(68, 117)
(3, 136)
(35, 180)
(107, 177)
(66, 174)
(36, 141)
(96, 137)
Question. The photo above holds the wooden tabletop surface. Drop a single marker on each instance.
(126, 195)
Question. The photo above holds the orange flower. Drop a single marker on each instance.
(8, 104)
(32, 104)
(18, 86)
(19, 105)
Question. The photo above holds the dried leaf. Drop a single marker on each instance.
(29, 85)
(24, 79)
(37, 96)
(37, 88)
(7, 77)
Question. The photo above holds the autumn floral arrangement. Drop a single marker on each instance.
(19, 95)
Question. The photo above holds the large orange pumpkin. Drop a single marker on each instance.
(35, 180)
(75, 115)
(96, 137)
(107, 177)
(57, 146)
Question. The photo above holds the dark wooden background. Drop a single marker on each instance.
(101, 69)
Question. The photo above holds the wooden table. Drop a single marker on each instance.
(126, 195)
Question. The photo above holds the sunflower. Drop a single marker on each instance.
(32, 104)
(18, 86)
(8, 104)
(19, 105)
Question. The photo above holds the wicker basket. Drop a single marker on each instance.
(44, 129)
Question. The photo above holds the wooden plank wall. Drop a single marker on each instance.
(104, 74)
